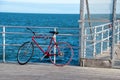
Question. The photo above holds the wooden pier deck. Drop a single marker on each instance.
(51, 72)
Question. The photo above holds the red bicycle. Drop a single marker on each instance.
(60, 53)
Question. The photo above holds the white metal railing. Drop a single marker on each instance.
(3, 43)
(94, 43)
(19, 31)
(99, 40)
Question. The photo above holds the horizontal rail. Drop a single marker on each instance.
(98, 41)
(102, 25)
(75, 47)
(39, 27)
(95, 20)
(99, 32)
(39, 33)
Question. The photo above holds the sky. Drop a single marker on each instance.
(55, 6)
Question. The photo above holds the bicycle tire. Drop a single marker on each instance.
(63, 55)
(25, 52)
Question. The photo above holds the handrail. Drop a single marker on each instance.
(38, 27)
(101, 36)
(107, 24)
(99, 32)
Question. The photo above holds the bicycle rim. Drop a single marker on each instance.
(61, 54)
(25, 53)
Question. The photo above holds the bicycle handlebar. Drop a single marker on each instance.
(30, 30)
(53, 32)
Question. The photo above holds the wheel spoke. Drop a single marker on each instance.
(64, 54)
(25, 53)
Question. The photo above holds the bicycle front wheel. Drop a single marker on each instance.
(25, 53)
(61, 54)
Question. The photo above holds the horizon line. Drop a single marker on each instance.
(50, 13)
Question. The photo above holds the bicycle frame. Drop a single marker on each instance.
(52, 40)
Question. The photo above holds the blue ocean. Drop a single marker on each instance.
(67, 24)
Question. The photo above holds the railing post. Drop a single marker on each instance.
(81, 32)
(85, 43)
(55, 46)
(3, 34)
(102, 40)
(108, 38)
(117, 32)
(113, 32)
(94, 40)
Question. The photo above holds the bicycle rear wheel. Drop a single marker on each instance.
(25, 53)
(61, 54)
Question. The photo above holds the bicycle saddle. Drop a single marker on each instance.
(54, 32)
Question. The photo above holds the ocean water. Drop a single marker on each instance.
(43, 20)
(50, 20)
